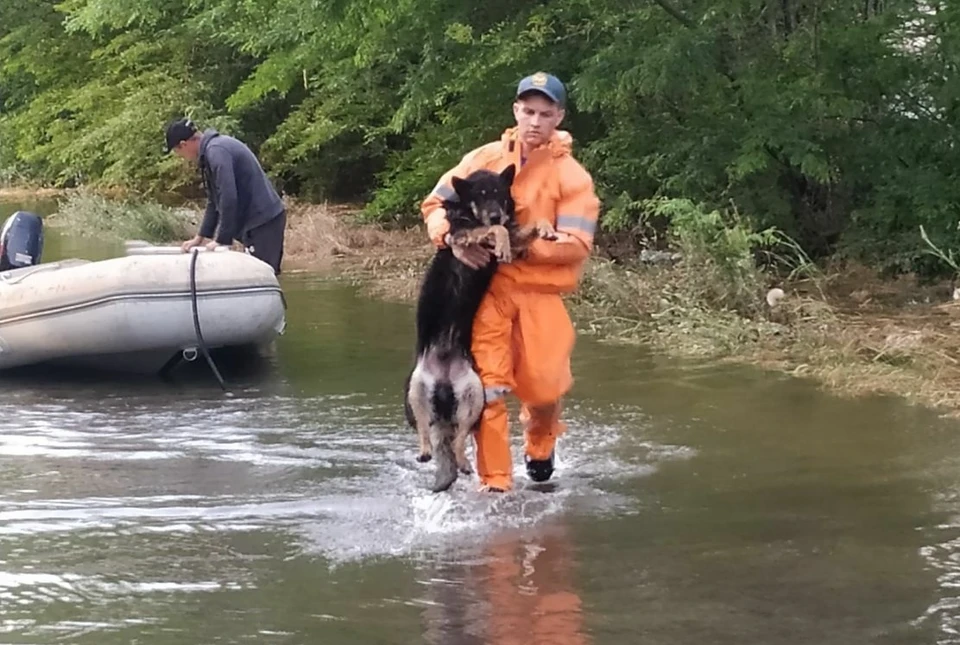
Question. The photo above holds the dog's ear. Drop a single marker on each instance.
(461, 187)
(508, 174)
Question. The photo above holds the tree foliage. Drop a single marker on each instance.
(834, 121)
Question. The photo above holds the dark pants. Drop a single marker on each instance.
(265, 242)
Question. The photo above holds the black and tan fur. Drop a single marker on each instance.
(443, 395)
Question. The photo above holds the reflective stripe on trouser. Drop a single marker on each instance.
(522, 341)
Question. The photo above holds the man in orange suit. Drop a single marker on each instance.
(523, 337)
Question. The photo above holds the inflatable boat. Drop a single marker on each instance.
(143, 312)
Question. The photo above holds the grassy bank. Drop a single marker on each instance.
(854, 333)
(93, 214)
(26, 193)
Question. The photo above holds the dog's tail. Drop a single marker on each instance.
(444, 407)
(444, 402)
(447, 471)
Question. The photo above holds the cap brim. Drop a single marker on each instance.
(539, 90)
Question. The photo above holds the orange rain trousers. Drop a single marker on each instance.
(522, 341)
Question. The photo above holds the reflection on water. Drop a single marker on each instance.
(694, 504)
(519, 589)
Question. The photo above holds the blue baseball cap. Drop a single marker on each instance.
(547, 84)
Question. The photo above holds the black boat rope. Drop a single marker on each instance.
(196, 318)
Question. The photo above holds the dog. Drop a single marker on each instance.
(443, 394)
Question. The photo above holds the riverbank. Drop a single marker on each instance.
(28, 194)
(850, 331)
(855, 334)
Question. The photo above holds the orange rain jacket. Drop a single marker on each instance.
(551, 185)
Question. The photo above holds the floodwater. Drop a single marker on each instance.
(693, 504)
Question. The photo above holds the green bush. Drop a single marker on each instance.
(816, 121)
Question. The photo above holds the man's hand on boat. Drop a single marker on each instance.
(194, 241)
(210, 245)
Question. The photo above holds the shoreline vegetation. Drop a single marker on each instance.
(710, 295)
(803, 147)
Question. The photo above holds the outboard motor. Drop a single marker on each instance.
(21, 241)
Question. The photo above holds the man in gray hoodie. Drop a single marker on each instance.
(242, 203)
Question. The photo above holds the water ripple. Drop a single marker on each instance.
(95, 499)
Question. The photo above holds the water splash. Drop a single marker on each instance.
(333, 478)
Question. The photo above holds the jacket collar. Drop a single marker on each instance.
(205, 139)
(559, 145)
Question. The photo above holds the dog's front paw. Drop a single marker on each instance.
(546, 232)
(461, 238)
(501, 243)
(424, 457)
(466, 469)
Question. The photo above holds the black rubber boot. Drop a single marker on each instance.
(539, 470)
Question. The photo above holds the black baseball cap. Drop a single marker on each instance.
(178, 132)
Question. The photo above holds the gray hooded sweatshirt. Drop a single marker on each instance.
(240, 196)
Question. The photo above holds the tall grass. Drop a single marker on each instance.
(86, 213)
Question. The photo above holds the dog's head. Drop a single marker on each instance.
(486, 194)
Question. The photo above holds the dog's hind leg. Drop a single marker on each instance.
(407, 409)
(426, 452)
(418, 406)
(470, 396)
(460, 451)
